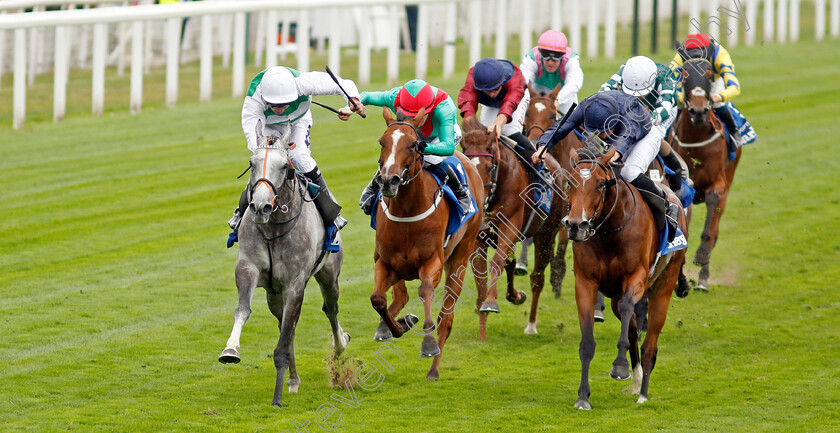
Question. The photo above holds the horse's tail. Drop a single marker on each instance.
(683, 288)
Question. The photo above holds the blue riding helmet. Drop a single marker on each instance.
(599, 115)
(488, 74)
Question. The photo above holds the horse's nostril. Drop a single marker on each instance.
(584, 225)
(252, 207)
(378, 180)
(395, 181)
(266, 208)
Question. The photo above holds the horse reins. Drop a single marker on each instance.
(609, 184)
(494, 176)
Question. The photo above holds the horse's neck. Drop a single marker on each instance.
(414, 197)
(619, 204)
(509, 163)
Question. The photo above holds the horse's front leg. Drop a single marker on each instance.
(543, 249)
(623, 307)
(400, 292)
(558, 263)
(430, 273)
(383, 279)
(585, 294)
(246, 281)
(715, 202)
(478, 262)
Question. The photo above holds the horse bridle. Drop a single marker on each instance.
(414, 146)
(494, 176)
(284, 208)
(610, 182)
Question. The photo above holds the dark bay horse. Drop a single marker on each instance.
(701, 142)
(280, 248)
(411, 223)
(540, 116)
(509, 216)
(615, 251)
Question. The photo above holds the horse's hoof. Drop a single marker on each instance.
(583, 405)
(277, 404)
(518, 301)
(531, 329)
(521, 269)
(433, 376)
(641, 399)
(489, 307)
(700, 261)
(620, 372)
(703, 287)
(429, 349)
(408, 322)
(229, 356)
(382, 332)
(599, 316)
(294, 386)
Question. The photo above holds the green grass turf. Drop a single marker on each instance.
(117, 294)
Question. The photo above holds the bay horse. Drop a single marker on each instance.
(281, 241)
(615, 252)
(540, 116)
(411, 224)
(509, 216)
(701, 142)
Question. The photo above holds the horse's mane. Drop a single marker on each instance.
(471, 124)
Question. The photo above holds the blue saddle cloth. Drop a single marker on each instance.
(543, 194)
(456, 217)
(679, 242)
(686, 192)
(746, 130)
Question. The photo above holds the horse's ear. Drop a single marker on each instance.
(573, 157)
(287, 135)
(531, 90)
(709, 74)
(684, 73)
(608, 157)
(258, 131)
(386, 113)
(555, 91)
(420, 118)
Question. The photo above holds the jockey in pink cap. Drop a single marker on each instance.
(553, 63)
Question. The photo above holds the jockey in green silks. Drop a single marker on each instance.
(439, 134)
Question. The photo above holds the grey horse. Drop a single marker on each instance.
(280, 248)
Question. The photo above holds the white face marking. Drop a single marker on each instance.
(395, 138)
(475, 161)
(540, 106)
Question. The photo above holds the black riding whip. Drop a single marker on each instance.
(325, 106)
(562, 121)
(352, 102)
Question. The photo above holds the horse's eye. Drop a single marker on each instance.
(602, 185)
(567, 185)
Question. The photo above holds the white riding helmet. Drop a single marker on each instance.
(639, 76)
(278, 86)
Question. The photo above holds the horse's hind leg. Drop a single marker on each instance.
(522, 261)
(478, 262)
(327, 279)
(515, 297)
(558, 263)
(246, 282)
(543, 248)
(659, 296)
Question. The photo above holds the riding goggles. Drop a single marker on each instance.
(552, 55)
(283, 105)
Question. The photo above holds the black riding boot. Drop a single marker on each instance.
(325, 202)
(524, 146)
(663, 211)
(674, 180)
(460, 191)
(368, 199)
(725, 116)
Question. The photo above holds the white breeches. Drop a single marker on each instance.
(641, 155)
(517, 121)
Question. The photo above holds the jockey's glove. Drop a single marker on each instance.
(421, 145)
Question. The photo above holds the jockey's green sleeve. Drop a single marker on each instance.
(444, 119)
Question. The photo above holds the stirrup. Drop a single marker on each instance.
(340, 222)
(234, 221)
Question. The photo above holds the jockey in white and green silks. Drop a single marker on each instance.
(280, 98)
(439, 133)
(550, 63)
(654, 85)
